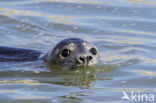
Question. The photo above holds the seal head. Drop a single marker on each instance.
(72, 53)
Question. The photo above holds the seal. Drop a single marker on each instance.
(70, 53)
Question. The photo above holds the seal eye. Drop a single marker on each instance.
(93, 51)
(65, 52)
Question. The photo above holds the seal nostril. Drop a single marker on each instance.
(89, 58)
(82, 59)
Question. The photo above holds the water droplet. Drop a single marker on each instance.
(75, 27)
(40, 34)
(123, 82)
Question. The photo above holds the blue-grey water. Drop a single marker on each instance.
(123, 30)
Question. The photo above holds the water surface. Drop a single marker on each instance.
(123, 30)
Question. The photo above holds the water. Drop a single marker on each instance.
(123, 30)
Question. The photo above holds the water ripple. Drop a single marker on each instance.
(123, 30)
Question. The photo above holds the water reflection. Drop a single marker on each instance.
(80, 77)
(143, 2)
(56, 18)
(124, 31)
(147, 73)
(61, 1)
